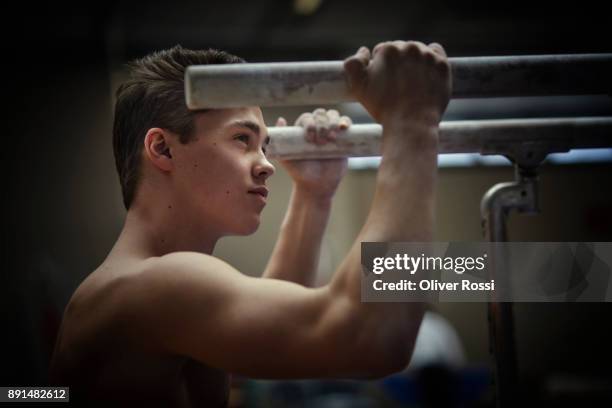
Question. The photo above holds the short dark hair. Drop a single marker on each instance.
(154, 96)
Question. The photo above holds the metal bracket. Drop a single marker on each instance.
(520, 195)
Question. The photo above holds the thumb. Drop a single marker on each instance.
(356, 69)
(281, 122)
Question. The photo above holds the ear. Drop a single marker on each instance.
(157, 147)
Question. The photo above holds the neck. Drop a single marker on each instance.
(157, 231)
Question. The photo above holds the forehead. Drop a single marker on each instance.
(216, 120)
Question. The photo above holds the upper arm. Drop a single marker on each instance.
(196, 305)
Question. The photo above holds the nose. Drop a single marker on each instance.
(263, 168)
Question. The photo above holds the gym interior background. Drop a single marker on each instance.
(62, 200)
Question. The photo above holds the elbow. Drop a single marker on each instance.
(393, 357)
(378, 364)
(375, 342)
(394, 342)
(383, 355)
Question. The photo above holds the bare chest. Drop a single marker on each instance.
(105, 366)
(176, 382)
(137, 378)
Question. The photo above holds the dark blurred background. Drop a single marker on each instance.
(61, 199)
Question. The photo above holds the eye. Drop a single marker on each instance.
(244, 138)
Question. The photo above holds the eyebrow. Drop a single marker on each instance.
(254, 127)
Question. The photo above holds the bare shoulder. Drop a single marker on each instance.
(180, 273)
(198, 306)
(129, 296)
(173, 288)
(198, 280)
(187, 263)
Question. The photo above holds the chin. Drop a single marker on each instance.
(247, 227)
(250, 231)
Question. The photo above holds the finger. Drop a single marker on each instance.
(332, 134)
(438, 49)
(310, 128)
(419, 44)
(302, 119)
(319, 112)
(414, 48)
(355, 68)
(378, 47)
(441, 60)
(281, 122)
(306, 121)
(333, 117)
(420, 50)
(320, 116)
(344, 122)
(389, 51)
(399, 44)
(362, 55)
(322, 124)
(321, 135)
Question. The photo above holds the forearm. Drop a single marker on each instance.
(296, 254)
(404, 199)
(402, 210)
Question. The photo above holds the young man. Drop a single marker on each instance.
(162, 321)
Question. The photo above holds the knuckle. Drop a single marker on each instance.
(351, 63)
(438, 48)
(308, 122)
(390, 52)
(379, 46)
(429, 57)
(303, 118)
(320, 121)
(412, 49)
(420, 44)
(443, 65)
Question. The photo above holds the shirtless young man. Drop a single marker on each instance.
(163, 322)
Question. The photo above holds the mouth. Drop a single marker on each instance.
(259, 191)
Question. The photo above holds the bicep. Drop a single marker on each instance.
(258, 327)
